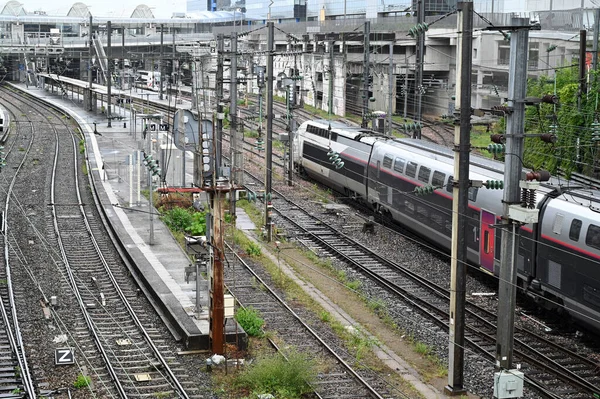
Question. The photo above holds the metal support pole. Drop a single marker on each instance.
(392, 80)
(109, 75)
(219, 93)
(236, 168)
(160, 61)
(330, 87)
(365, 89)
(596, 32)
(582, 88)
(515, 125)
(150, 191)
(269, 143)
(405, 83)
(90, 69)
(460, 204)
(419, 67)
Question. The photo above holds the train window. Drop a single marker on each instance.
(438, 179)
(424, 174)
(387, 161)
(449, 186)
(486, 242)
(575, 229)
(334, 136)
(592, 238)
(411, 169)
(399, 165)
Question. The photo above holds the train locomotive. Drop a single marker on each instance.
(558, 257)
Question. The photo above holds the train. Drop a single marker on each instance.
(4, 125)
(558, 257)
(149, 80)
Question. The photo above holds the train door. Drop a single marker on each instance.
(487, 241)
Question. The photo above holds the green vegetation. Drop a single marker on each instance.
(81, 146)
(286, 379)
(82, 381)
(573, 119)
(250, 320)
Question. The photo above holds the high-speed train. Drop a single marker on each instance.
(558, 257)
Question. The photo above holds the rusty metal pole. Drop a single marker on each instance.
(217, 293)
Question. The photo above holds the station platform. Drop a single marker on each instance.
(160, 265)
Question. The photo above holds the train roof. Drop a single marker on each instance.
(352, 132)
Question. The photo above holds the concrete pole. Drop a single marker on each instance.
(108, 75)
(365, 89)
(460, 204)
(269, 143)
(90, 69)
(515, 125)
(405, 83)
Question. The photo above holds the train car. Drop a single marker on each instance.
(4, 125)
(557, 257)
(148, 80)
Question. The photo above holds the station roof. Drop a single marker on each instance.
(15, 11)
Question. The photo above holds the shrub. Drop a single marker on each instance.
(253, 249)
(281, 378)
(82, 381)
(177, 219)
(250, 321)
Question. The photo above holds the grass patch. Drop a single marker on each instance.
(282, 378)
(82, 381)
(250, 320)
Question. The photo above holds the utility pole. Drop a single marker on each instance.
(269, 146)
(236, 165)
(515, 125)
(392, 80)
(160, 62)
(365, 90)
(91, 65)
(419, 66)
(405, 91)
(109, 73)
(219, 93)
(460, 204)
(217, 306)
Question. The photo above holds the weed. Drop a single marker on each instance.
(82, 381)
(325, 316)
(81, 146)
(422, 348)
(250, 320)
(353, 285)
(253, 249)
(275, 375)
(376, 305)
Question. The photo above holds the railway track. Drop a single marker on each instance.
(337, 377)
(549, 366)
(17, 380)
(121, 345)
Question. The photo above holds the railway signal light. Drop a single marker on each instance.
(269, 208)
(260, 78)
(494, 184)
(151, 164)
